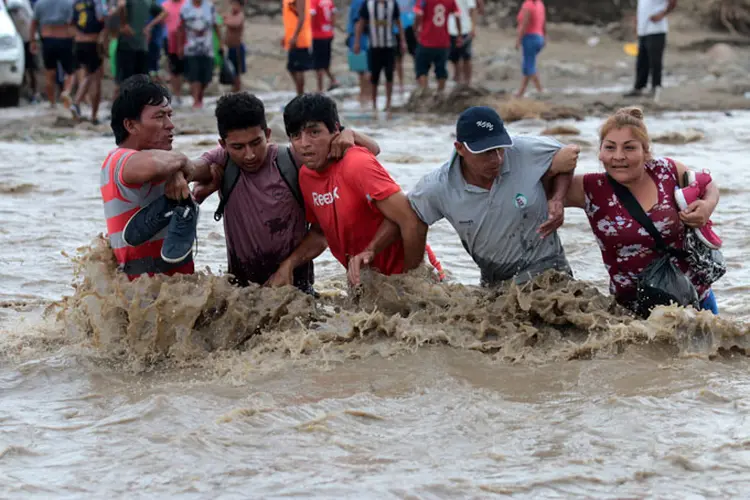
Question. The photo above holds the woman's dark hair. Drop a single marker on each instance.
(309, 108)
(239, 111)
(136, 93)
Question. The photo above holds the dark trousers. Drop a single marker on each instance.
(650, 60)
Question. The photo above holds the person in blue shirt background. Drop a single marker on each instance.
(358, 62)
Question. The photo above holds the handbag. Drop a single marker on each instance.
(228, 71)
(661, 282)
(707, 264)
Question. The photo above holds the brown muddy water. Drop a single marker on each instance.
(163, 388)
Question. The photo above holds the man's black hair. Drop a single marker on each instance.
(308, 108)
(136, 93)
(239, 111)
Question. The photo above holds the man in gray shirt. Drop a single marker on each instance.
(135, 30)
(494, 192)
(53, 19)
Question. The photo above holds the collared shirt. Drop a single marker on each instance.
(498, 227)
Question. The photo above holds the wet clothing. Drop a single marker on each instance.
(322, 15)
(435, 13)
(341, 200)
(53, 12)
(627, 248)
(498, 227)
(121, 202)
(263, 223)
(88, 16)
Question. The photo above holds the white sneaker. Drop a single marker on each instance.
(657, 94)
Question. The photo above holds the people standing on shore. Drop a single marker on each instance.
(532, 30)
(234, 29)
(652, 27)
(323, 13)
(381, 17)
(297, 40)
(460, 57)
(137, 19)
(431, 24)
(53, 19)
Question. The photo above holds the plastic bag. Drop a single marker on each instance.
(663, 283)
(228, 72)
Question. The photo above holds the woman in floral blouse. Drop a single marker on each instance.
(627, 248)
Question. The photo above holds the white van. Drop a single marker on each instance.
(11, 60)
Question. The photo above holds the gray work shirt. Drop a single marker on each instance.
(498, 227)
(53, 12)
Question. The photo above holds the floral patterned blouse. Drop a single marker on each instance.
(627, 248)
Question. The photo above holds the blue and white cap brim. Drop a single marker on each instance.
(489, 143)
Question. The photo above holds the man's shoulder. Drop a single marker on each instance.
(436, 180)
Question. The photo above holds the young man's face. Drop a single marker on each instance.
(247, 147)
(486, 165)
(313, 144)
(154, 129)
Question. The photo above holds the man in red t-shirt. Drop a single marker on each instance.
(354, 202)
(323, 14)
(431, 25)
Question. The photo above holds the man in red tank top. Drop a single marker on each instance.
(144, 184)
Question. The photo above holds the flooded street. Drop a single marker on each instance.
(358, 403)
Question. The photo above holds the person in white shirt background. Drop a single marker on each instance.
(652, 28)
(460, 57)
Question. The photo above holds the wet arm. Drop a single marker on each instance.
(313, 244)
(366, 142)
(398, 209)
(576, 197)
(153, 166)
(558, 186)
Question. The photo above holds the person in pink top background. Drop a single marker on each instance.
(532, 29)
(175, 45)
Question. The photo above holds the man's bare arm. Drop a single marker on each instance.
(313, 244)
(398, 209)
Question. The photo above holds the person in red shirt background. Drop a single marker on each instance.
(354, 202)
(434, 46)
(323, 14)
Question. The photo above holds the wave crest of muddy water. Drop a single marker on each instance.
(191, 319)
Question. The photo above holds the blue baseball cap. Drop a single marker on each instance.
(481, 129)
